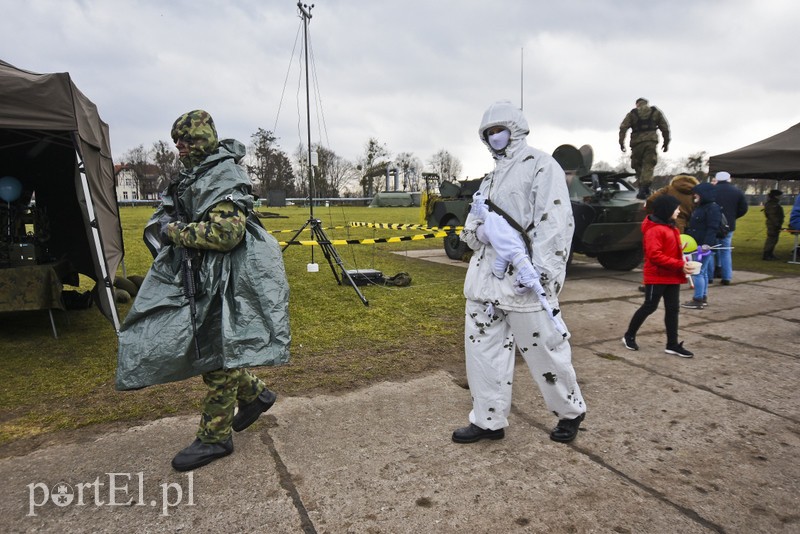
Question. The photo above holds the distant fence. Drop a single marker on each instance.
(264, 203)
(359, 201)
(137, 202)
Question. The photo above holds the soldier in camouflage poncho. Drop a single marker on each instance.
(241, 293)
(644, 121)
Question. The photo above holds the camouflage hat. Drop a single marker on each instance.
(642, 100)
(196, 129)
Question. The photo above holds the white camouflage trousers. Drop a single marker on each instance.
(490, 338)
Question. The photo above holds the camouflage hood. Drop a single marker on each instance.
(196, 129)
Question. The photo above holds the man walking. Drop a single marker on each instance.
(215, 300)
(734, 205)
(644, 121)
(520, 227)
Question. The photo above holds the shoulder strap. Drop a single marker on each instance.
(513, 224)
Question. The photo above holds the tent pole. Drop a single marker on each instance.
(108, 286)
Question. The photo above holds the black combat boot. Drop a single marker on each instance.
(199, 454)
(566, 429)
(249, 413)
(473, 433)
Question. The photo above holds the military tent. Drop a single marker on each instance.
(774, 158)
(53, 140)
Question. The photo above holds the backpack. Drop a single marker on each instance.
(724, 229)
(642, 124)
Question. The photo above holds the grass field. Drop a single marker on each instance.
(338, 343)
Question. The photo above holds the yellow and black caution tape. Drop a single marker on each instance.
(371, 241)
(434, 232)
(305, 230)
(405, 226)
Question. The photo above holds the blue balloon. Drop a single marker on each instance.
(10, 188)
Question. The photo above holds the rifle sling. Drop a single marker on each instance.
(514, 224)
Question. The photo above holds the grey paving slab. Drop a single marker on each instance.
(708, 444)
(716, 458)
(398, 470)
(240, 493)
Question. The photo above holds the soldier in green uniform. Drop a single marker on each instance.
(773, 211)
(644, 121)
(239, 302)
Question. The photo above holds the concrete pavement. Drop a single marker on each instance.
(708, 444)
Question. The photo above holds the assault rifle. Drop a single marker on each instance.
(189, 282)
(190, 290)
(558, 322)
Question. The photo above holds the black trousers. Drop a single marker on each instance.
(652, 296)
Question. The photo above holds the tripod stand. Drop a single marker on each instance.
(328, 250)
(317, 232)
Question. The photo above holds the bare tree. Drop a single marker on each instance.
(334, 171)
(375, 154)
(412, 168)
(445, 165)
(166, 160)
(696, 164)
(268, 167)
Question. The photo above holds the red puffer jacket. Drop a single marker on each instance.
(663, 258)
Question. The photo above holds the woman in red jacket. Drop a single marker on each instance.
(664, 271)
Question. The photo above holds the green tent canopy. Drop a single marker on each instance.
(53, 140)
(774, 158)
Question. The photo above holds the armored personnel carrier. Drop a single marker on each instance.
(607, 214)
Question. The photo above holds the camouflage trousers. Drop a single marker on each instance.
(226, 387)
(643, 161)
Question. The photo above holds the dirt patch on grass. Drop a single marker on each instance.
(334, 372)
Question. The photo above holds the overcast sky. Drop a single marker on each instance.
(418, 74)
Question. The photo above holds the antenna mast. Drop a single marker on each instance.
(317, 232)
(305, 10)
(521, 76)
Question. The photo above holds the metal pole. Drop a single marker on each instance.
(306, 11)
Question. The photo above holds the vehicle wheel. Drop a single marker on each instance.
(621, 261)
(453, 246)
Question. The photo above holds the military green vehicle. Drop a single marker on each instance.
(607, 214)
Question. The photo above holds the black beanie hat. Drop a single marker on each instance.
(664, 206)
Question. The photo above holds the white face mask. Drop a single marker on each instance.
(499, 140)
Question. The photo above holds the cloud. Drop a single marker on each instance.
(417, 74)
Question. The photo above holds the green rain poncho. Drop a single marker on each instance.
(242, 294)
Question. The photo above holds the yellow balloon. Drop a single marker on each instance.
(688, 244)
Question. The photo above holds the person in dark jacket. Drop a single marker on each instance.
(794, 215)
(734, 206)
(773, 211)
(703, 227)
(665, 269)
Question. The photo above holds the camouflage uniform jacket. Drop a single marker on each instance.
(242, 292)
(644, 121)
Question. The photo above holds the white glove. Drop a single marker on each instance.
(527, 277)
(480, 233)
(478, 209)
(506, 241)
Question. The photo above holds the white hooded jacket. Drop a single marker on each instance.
(530, 186)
